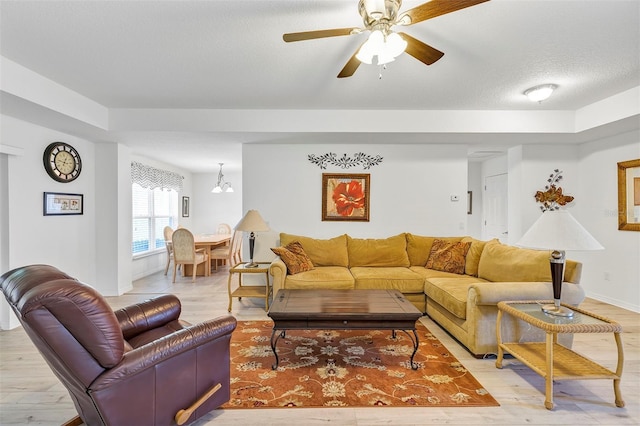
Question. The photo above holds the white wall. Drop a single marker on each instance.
(410, 191)
(611, 275)
(113, 216)
(590, 175)
(29, 237)
(529, 170)
(65, 241)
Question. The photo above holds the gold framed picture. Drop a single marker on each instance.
(345, 197)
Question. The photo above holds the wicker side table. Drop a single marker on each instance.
(552, 360)
(260, 291)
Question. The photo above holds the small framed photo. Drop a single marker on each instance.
(185, 206)
(345, 197)
(60, 204)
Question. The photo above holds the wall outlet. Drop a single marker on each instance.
(607, 276)
(455, 198)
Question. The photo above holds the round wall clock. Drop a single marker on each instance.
(62, 162)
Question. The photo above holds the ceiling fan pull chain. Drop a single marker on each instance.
(382, 68)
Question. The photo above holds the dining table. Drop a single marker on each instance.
(207, 242)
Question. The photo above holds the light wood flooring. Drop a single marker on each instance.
(30, 393)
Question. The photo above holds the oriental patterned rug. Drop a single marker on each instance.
(346, 368)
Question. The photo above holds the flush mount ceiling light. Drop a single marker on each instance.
(222, 185)
(540, 93)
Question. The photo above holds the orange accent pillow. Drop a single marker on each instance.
(448, 257)
(294, 257)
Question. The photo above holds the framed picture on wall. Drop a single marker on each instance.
(60, 204)
(345, 197)
(185, 206)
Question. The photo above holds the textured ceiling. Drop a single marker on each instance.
(230, 54)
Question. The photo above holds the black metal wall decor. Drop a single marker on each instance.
(344, 162)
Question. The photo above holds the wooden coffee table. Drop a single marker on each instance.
(343, 310)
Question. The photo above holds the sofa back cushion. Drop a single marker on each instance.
(419, 247)
(331, 252)
(390, 251)
(504, 263)
(473, 255)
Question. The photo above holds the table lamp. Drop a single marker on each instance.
(557, 230)
(252, 222)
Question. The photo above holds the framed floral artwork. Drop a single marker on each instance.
(59, 204)
(345, 197)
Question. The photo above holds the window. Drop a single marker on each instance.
(153, 209)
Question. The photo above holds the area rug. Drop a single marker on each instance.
(354, 368)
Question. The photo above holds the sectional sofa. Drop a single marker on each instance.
(457, 281)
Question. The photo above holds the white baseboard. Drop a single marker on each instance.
(615, 302)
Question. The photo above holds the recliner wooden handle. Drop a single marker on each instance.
(183, 415)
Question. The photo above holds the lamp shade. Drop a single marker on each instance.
(252, 222)
(558, 230)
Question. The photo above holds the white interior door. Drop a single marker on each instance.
(495, 208)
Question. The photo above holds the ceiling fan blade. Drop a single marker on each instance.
(436, 8)
(351, 66)
(309, 35)
(421, 51)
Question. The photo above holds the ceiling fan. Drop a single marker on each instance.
(379, 16)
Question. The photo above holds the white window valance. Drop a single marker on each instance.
(150, 177)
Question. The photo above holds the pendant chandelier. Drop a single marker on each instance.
(222, 185)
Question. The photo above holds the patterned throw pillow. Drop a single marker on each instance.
(448, 257)
(294, 257)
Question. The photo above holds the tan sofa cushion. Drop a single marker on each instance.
(501, 262)
(432, 273)
(451, 293)
(395, 277)
(331, 252)
(390, 251)
(448, 256)
(331, 277)
(419, 247)
(473, 255)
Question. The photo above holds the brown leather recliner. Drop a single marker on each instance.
(140, 365)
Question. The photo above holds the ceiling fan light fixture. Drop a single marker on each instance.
(376, 10)
(540, 93)
(364, 56)
(384, 58)
(404, 20)
(385, 47)
(395, 44)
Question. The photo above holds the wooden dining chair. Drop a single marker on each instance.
(223, 228)
(232, 253)
(185, 253)
(168, 232)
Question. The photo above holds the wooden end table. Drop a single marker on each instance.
(261, 291)
(343, 310)
(552, 360)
